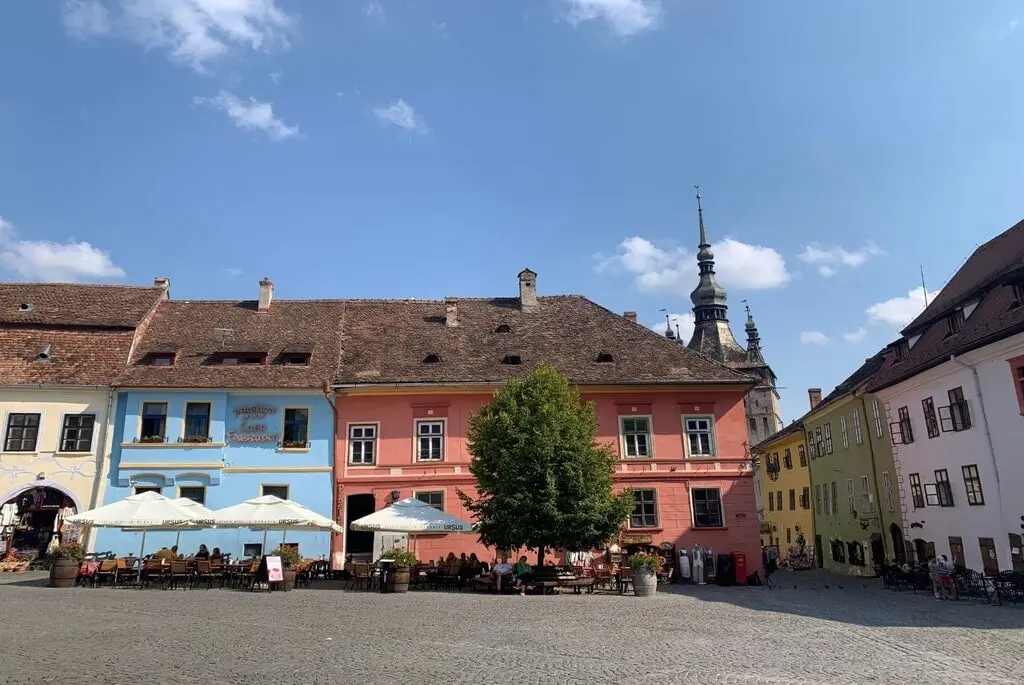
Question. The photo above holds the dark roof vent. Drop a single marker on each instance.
(44, 355)
(605, 358)
(432, 358)
(25, 307)
(503, 328)
(512, 359)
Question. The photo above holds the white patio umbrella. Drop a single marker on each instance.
(206, 515)
(412, 516)
(273, 513)
(146, 511)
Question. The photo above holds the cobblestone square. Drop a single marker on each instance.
(850, 632)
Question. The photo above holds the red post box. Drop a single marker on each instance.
(739, 562)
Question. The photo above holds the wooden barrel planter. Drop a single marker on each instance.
(398, 580)
(289, 578)
(645, 583)
(63, 573)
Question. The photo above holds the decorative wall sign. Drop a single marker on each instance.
(634, 539)
(252, 426)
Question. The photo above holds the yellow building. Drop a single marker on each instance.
(784, 482)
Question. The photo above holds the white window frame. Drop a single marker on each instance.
(857, 435)
(657, 510)
(352, 441)
(867, 506)
(60, 436)
(693, 508)
(713, 442)
(416, 495)
(845, 433)
(624, 436)
(418, 438)
(286, 486)
(851, 500)
(877, 417)
(184, 418)
(39, 431)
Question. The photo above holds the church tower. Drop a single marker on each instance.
(713, 338)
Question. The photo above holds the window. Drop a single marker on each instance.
(22, 432)
(1018, 294)
(902, 350)
(878, 418)
(817, 499)
(957, 416)
(916, 493)
(158, 359)
(828, 438)
(699, 436)
(802, 453)
(196, 493)
(956, 322)
(76, 433)
(835, 499)
(788, 459)
(605, 358)
(943, 488)
(856, 428)
(295, 358)
(902, 431)
(434, 499)
(771, 502)
(826, 501)
(866, 505)
(512, 359)
(972, 481)
(850, 503)
(931, 495)
(707, 508)
(645, 509)
(280, 491)
(764, 422)
(792, 499)
(239, 359)
(844, 433)
(887, 486)
(636, 436)
(1017, 371)
(296, 428)
(810, 444)
(430, 440)
(432, 358)
(362, 444)
(154, 422)
(778, 500)
(931, 423)
(805, 498)
(197, 421)
(753, 426)
(139, 489)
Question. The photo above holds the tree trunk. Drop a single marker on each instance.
(540, 556)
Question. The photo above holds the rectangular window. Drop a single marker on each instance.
(699, 436)
(792, 499)
(972, 481)
(844, 432)
(764, 422)
(1017, 373)
(778, 500)
(878, 418)
(430, 440)
(943, 488)
(196, 493)
(636, 436)
(296, 428)
(957, 416)
(154, 422)
(817, 499)
(902, 430)
(434, 499)
(866, 505)
(826, 500)
(916, 493)
(835, 499)
(858, 438)
(139, 489)
(22, 432)
(805, 498)
(279, 491)
(931, 422)
(645, 509)
(819, 441)
(788, 459)
(810, 444)
(362, 444)
(76, 433)
(828, 438)
(771, 501)
(803, 455)
(707, 508)
(850, 503)
(887, 486)
(197, 422)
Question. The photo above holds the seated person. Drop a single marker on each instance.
(164, 554)
(523, 572)
(215, 555)
(203, 553)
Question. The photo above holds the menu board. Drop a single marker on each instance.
(275, 572)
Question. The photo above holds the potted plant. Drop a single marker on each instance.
(645, 573)
(290, 559)
(402, 561)
(196, 438)
(294, 444)
(64, 563)
(151, 438)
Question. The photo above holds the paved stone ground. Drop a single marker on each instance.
(855, 634)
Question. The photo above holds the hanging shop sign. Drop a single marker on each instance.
(252, 425)
(635, 539)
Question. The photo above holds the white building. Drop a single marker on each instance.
(953, 392)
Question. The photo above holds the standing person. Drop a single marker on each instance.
(933, 575)
(946, 578)
(771, 564)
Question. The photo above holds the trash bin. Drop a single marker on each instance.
(739, 561)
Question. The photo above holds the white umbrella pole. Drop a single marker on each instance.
(264, 550)
(177, 540)
(142, 546)
(284, 534)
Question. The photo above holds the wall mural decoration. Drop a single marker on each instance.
(253, 425)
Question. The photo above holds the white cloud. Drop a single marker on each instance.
(375, 10)
(623, 17)
(813, 338)
(855, 336)
(1010, 29)
(830, 259)
(275, 76)
(899, 311)
(737, 265)
(194, 32)
(684, 321)
(252, 115)
(45, 260)
(233, 271)
(401, 114)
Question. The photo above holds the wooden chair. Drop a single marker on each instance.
(363, 576)
(153, 571)
(107, 571)
(180, 574)
(125, 575)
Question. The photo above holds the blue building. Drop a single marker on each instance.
(224, 401)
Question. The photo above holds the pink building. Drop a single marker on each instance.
(413, 372)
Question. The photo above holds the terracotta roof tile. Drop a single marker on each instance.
(76, 304)
(77, 357)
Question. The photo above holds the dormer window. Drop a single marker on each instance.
(955, 322)
(239, 359)
(295, 358)
(512, 359)
(432, 358)
(605, 358)
(159, 359)
(902, 349)
(503, 328)
(25, 307)
(1018, 295)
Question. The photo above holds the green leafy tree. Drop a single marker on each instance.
(542, 481)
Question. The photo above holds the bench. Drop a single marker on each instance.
(577, 584)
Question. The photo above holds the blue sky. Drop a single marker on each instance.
(391, 148)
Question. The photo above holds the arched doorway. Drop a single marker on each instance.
(32, 518)
(899, 549)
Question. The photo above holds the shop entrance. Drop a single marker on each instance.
(32, 522)
(899, 550)
(358, 543)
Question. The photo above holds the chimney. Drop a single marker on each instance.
(451, 312)
(266, 295)
(528, 291)
(630, 316)
(814, 395)
(161, 282)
